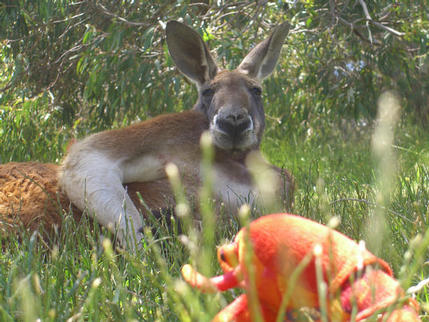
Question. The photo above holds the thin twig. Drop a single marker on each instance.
(365, 9)
(72, 26)
(69, 18)
(356, 30)
(131, 23)
(202, 4)
(391, 30)
(332, 11)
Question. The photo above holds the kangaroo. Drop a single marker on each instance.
(229, 107)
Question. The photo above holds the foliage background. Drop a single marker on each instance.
(90, 65)
(71, 68)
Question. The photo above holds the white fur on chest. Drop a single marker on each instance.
(232, 192)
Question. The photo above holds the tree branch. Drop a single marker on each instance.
(131, 23)
(379, 25)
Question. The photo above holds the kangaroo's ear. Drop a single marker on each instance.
(190, 53)
(262, 59)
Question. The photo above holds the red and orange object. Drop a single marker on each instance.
(291, 258)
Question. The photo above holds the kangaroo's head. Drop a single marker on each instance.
(231, 100)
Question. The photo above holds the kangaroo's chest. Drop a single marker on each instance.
(232, 182)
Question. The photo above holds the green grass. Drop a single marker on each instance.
(78, 276)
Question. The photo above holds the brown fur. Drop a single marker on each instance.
(146, 137)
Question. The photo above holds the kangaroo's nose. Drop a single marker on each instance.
(234, 122)
(235, 117)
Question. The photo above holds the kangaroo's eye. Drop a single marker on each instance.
(208, 92)
(257, 91)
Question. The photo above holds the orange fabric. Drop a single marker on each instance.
(374, 291)
(280, 243)
(236, 311)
